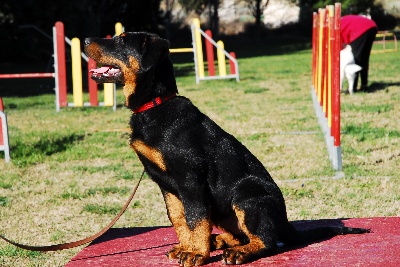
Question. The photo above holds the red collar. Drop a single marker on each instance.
(154, 103)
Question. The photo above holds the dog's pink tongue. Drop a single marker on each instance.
(100, 70)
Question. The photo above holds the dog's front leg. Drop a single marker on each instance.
(194, 246)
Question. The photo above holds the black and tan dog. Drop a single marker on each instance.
(207, 177)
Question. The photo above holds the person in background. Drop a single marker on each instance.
(359, 32)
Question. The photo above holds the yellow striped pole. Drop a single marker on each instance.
(76, 72)
(331, 11)
(221, 59)
(326, 66)
(108, 94)
(118, 28)
(109, 87)
(199, 48)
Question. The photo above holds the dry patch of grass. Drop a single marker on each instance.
(367, 197)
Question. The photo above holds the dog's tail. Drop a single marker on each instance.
(297, 237)
(352, 68)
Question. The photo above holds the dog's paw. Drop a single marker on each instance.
(242, 254)
(175, 252)
(224, 240)
(233, 256)
(217, 242)
(187, 258)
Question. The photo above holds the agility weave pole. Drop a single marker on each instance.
(197, 33)
(325, 89)
(4, 144)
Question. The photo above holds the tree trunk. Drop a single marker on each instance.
(213, 17)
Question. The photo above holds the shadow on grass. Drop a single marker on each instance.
(378, 86)
(28, 153)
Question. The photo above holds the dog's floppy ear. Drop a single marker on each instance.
(153, 47)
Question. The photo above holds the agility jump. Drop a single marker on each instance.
(381, 38)
(4, 144)
(60, 73)
(197, 50)
(326, 45)
(197, 33)
(60, 69)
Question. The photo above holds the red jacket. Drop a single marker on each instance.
(353, 26)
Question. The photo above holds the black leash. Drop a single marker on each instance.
(82, 241)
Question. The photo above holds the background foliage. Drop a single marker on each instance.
(84, 18)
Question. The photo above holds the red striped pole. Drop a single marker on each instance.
(61, 66)
(93, 96)
(232, 64)
(326, 63)
(336, 78)
(210, 54)
(314, 48)
(317, 55)
(1, 123)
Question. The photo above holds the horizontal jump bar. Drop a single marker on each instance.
(28, 75)
(383, 34)
(230, 76)
(180, 50)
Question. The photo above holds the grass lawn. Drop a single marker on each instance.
(72, 171)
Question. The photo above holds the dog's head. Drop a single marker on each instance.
(139, 60)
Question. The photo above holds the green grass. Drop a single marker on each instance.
(368, 108)
(12, 251)
(3, 201)
(101, 209)
(365, 132)
(72, 171)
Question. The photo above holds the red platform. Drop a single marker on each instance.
(147, 247)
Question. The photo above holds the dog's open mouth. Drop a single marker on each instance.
(107, 74)
(107, 71)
